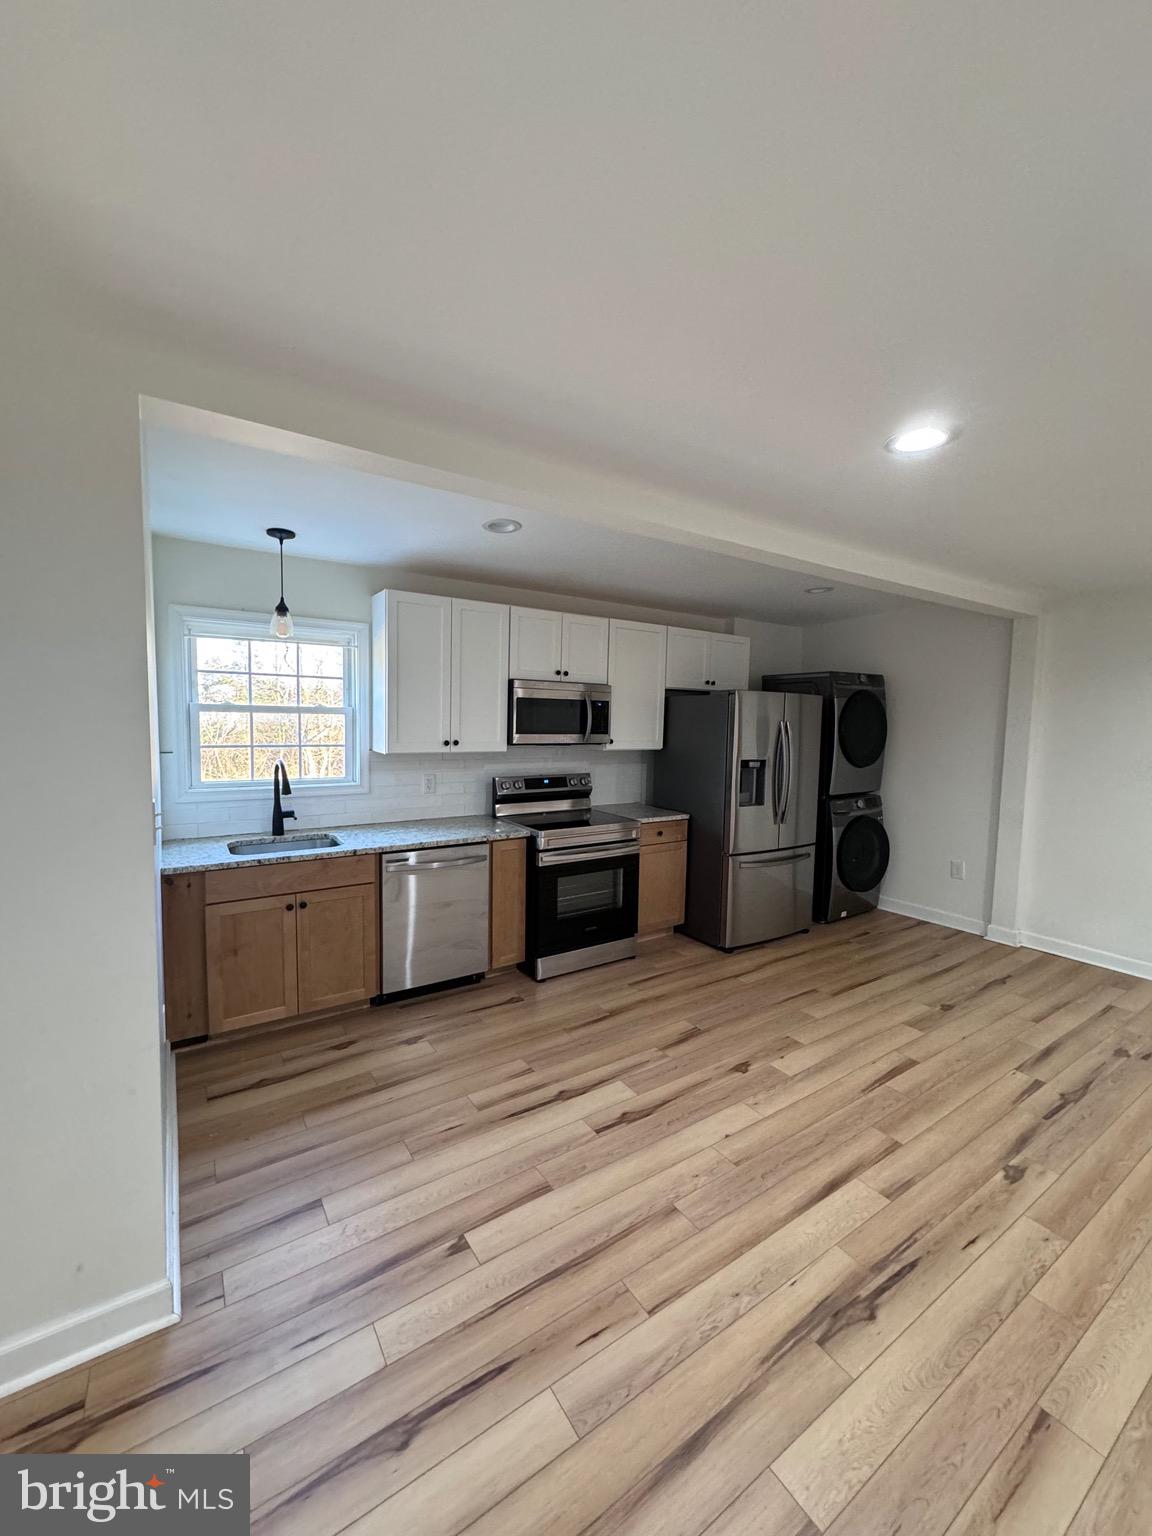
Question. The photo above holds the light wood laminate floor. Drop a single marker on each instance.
(847, 1233)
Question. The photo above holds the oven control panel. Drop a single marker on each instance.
(546, 781)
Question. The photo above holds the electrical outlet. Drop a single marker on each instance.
(957, 869)
(429, 783)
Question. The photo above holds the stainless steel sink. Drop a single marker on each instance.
(248, 847)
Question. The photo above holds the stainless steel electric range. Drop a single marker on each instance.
(583, 873)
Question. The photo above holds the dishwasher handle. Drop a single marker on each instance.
(433, 864)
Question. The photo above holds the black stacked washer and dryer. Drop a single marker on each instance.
(852, 846)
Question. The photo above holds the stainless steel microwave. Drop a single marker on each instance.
(547, 714)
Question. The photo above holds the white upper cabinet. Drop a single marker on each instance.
(439, 674)
(728, 660)
(636, 659)
(549, 645)
(585, 652)
(698, 658)
(411, 672)
(537, 643)
(687, 658)
(479, 676)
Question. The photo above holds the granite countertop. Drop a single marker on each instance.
(635, 811)
(193, 855)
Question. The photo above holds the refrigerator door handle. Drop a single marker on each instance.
(778, 774)
(777, 858)
(786, 727)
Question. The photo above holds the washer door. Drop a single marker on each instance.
(862, 853)
(863, 728)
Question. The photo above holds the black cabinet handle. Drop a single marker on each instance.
(447, 743)
(303, 904)
(289, 907)
(455, 743)
(659, 831)
(565, 674)
(558, 672)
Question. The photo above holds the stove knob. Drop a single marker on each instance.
(519, 783)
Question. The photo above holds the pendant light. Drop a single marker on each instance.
(281, 626)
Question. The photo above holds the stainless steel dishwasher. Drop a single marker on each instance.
(433, 915)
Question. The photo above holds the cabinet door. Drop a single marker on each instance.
(508, 872)
(663, 868)
(636, 672)
(185, 977)
(479, 676)
(337, 951)
(536, 643)
(688, 658)
(411, 672)
(585, 650)
(250, 956)
(728, 660)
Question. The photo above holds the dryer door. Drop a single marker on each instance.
(861, 736)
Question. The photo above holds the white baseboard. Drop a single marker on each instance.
(171, 1176)
(69, 1342)
(999, 935)
(933, 915)
(1103, 957)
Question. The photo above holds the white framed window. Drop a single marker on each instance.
(248, 700)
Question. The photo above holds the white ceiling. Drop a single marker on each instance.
(729, 247)
(228, 493)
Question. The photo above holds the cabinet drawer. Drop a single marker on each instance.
(663, 832)
(288, 877)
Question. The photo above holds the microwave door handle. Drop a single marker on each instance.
(586, 699)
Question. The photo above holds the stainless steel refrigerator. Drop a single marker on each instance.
(745, 767)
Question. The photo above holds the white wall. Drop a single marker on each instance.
(211, 575)
(1087, 888)
(946, 673)
(774, 647)
(82, 1198)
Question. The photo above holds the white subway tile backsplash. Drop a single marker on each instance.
(463, 788)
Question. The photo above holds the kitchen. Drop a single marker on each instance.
(517, 749)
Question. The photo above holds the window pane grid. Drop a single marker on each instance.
(257, 701)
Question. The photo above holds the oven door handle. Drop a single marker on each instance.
(613, 851)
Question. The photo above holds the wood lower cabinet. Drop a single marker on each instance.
(263, 943)
(185, 976)
(250, 953)
(336, 947)
(509, 870)
(663, 873)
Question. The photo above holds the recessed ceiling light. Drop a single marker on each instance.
(918, 440)
(503, 525)
(818, 591)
